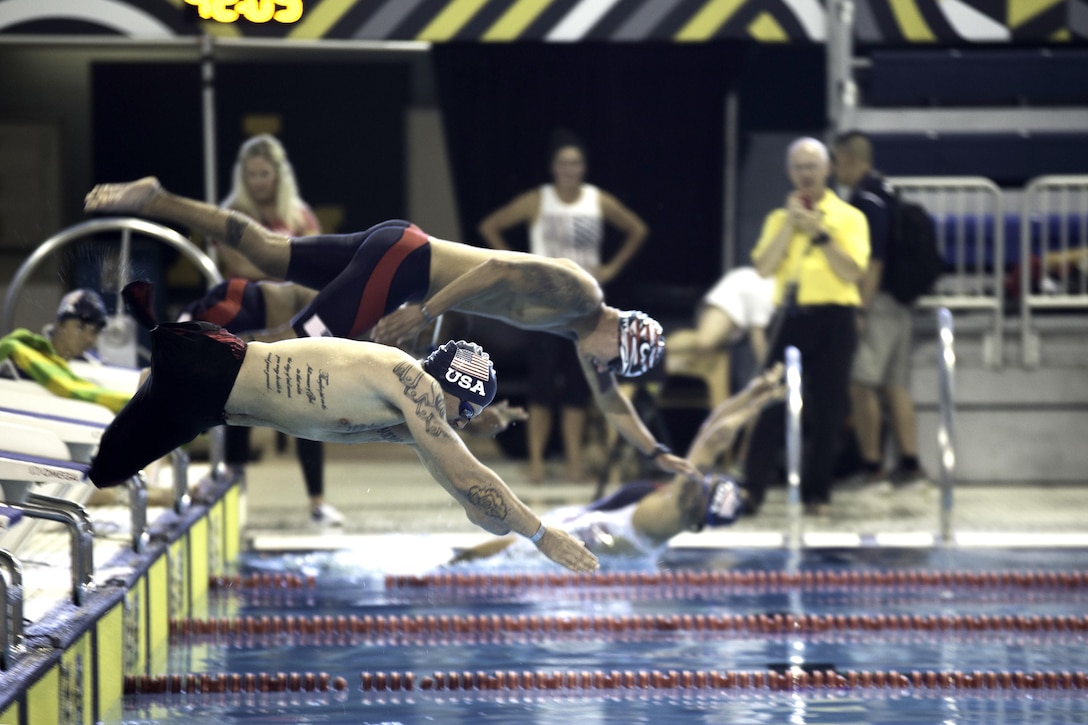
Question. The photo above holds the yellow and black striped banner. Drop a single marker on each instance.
(877, 22)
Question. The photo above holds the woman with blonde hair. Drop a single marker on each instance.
(264, 188)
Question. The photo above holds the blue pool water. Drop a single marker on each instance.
(347, 587)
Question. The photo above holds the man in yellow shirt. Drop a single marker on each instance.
(817, 248)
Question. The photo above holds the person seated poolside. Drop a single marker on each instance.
(325, 389)
(45, 358)
(638, 521)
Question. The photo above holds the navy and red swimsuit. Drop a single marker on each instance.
(361, 277)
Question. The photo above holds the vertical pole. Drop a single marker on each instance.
(841, 89)
(729, 190)
(207, 78)
(793, 446)
(946, 439)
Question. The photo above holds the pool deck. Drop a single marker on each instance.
(383, 489)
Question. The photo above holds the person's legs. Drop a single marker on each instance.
(573, 425)
(865, 408)
(826, 360)
(897, 392)
(763, 439)
(538, 431)
(311, 458)
(541, 350)
(574, 396)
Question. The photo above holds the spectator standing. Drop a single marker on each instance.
(817, 248)
(264, 188)
(566, 219)
(882, 364)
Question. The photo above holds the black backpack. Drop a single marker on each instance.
(914, 262)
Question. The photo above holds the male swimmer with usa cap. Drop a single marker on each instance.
(333, 390)
(369, 275)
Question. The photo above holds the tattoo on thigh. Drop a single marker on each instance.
(236, 227)
(427, 396)
(488, 500)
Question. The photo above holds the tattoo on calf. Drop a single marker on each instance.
(430, 404)
(488, 500)
(236, 229)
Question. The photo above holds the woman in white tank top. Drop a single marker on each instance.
(566, 219)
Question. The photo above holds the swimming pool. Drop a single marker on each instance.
(838, 635)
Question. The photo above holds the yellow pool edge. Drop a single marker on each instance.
(75, 659)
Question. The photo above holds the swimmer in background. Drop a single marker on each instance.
(334, 390)
(638, 521)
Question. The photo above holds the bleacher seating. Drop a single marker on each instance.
(978, 77)
(1009, 159)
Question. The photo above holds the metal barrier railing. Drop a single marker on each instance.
(11, 623)
(969, 212)
(794, 405)
(946, 438)
(1054, 231)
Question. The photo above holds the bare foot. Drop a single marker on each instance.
(129, 196)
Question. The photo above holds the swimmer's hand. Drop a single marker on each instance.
(767, 381)
(401, 324)
(496, 418)
(131, 196)
(562, 548)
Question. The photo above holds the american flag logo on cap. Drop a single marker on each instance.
(471, 363)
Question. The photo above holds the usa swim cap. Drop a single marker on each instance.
(642, 343)
(464, 371)
(723, 500)
(83, 304)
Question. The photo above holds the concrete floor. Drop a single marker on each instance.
(382, 489)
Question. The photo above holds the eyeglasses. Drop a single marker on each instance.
(465, 410)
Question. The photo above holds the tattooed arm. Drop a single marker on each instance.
(487, 501)
(621, 414)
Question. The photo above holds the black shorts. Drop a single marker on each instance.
(555, 374)
(193, 369)
(235, 304)
(360, 277)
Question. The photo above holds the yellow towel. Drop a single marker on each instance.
(35, 356)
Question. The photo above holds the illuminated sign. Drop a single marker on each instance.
(255, 11)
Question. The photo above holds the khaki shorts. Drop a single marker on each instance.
(883, 356)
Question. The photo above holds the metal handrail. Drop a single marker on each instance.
(793, 446)
(946, 431)
(11, 623)
(81, 543)
(1034, 204)
(954, 200)
(126, 225)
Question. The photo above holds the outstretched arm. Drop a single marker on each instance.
(719, 430)
(146, 197)
(488, 502)
(622, 416)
